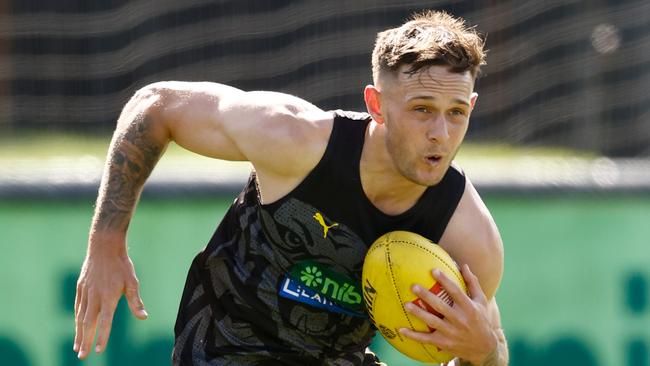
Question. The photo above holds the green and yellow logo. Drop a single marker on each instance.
(331, 284)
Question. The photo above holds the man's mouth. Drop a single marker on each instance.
(434, 158)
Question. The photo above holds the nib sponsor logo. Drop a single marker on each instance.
(328, 283)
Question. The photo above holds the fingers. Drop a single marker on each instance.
(457, 294)
(80, 311)
(104, 325)
(135, 302)
(473, 284)
(432, 338)
(77, 299)
(435, 302)
(98, 292)
(96, 316)
(89, 322)
(431, 320)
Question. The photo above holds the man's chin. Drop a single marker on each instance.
(427, 177)
(428, 181)
(432, 183)
(433, 179)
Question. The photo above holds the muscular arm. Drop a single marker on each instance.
(211, 119)
(153, 117)
(134, 151)
(107, 272)
(471, 328)
(472, 238)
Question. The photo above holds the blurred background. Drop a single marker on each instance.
(558, 146)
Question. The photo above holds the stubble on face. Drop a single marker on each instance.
(415, 156)
(406, 158)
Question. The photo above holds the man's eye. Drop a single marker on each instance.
(422, 109)
(457, 112)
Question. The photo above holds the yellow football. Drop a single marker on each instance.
(394, 263)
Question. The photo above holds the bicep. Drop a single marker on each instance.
(193, 114)
(222, 122)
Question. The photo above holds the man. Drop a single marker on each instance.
(324, 186)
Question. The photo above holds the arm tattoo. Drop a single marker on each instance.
(131, 158)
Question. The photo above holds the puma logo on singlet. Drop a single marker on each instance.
(321, 221)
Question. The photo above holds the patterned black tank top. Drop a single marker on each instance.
(280, 283)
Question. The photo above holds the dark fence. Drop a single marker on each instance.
(560, 73)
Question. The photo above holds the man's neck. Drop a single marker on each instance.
(382, 183)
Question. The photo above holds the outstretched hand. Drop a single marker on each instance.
(103, 280)
(465, 329)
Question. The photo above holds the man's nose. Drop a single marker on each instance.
(437, 128)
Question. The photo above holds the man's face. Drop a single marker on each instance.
(426, 115)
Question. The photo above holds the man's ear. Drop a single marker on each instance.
(372, 96)
(472, 100)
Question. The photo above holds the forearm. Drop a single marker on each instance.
(138, 142)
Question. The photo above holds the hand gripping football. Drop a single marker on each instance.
(394, 263)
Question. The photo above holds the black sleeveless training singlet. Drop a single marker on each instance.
(279, 283)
